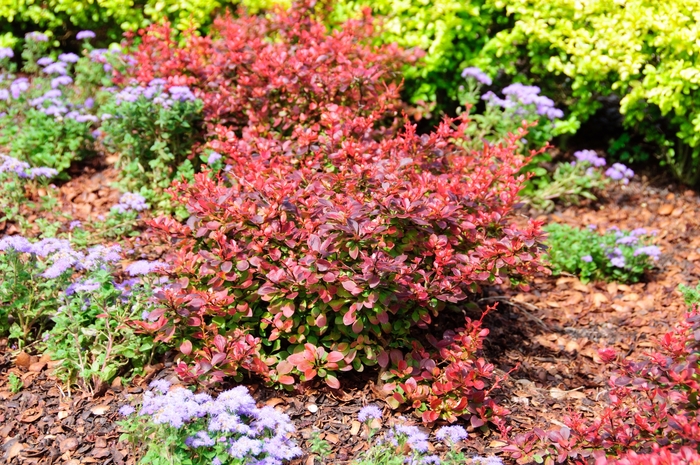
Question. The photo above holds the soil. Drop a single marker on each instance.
(548, 337)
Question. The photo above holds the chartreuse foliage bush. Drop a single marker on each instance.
(450, 32)
(614, 255)
(651, 414)
(645, 52)
(110, 17)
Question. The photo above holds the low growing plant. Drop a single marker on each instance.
(651, 414)
(615, 255)
(15, 383)
(16, 180)
(570, 182)
(175, 426)
(91, 339)
(35, 275)
(153, 129)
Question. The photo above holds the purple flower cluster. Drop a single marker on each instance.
(22, 169)
(85, 35)
(142, 267)
(18, 86)
(590, 157)
(213, 158)
(519, 95)
(156, 92)
(619, 172)
(6, 52)
(477, 74)
(416, 438)
(131, 201)
(651, 251)
(616, 257)
(451, 434)
(60, 256)
(36, 37)
(369, 412)
(254, 435)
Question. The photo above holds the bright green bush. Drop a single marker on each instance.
(451, 32)
(110, 18)
(643, 51)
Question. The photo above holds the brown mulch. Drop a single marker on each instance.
(551, 334)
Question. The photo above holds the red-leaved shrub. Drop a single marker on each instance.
(275, 72)
(652, 403)
(330, 247)
(660, 456)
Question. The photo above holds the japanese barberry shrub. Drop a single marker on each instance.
(651, 415)
(274, 72)
(321, 253)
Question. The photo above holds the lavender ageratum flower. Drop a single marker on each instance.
(216, 461)
(74, 224)
(651, 251)
(41, 172)
(413, 435)
(245, 446)
(61, 81)
(493, 99)
(627, 240)
(477, 74)
(589, 156)
(86, 118)
(126, 410)
(16, 243)
(18, 86)
(202, 439)
(55, 110)
(12, 165)
(369, 412)
(56, 68)
(99, 255)
(181, 93)
(6, 52)
(587, 258)
(54, 93)
(68, 57)
(493, 460)
(46, 247)
(619, 172)
(213, 158)
(131, 201)
(618, 262)
(36, 37)
(157, 82)
(62, 261)
(452, 434)
(431, 459)
(160, 385)
(639, 232)
(142, 267)
(4, 94)
(89, 103)
(85, 35)
(44, 61)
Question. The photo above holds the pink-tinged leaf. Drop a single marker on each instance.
(220, 342)
(284, 367)
(288, 309)
(218, 358)
(358, 326)
(429, 416)
(354, 252)
(476, 422)
(383, 317)
(310, 373)
(286, 380)
(351, 287)
(383, 359)
(186, 348)
(349, 318)
(226, 267)
(332, 382)
(242, 265)
(321, 320)
(335, 357)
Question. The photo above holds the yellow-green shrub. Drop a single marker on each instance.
(644, 51)
(451, 32)
(108, 17)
